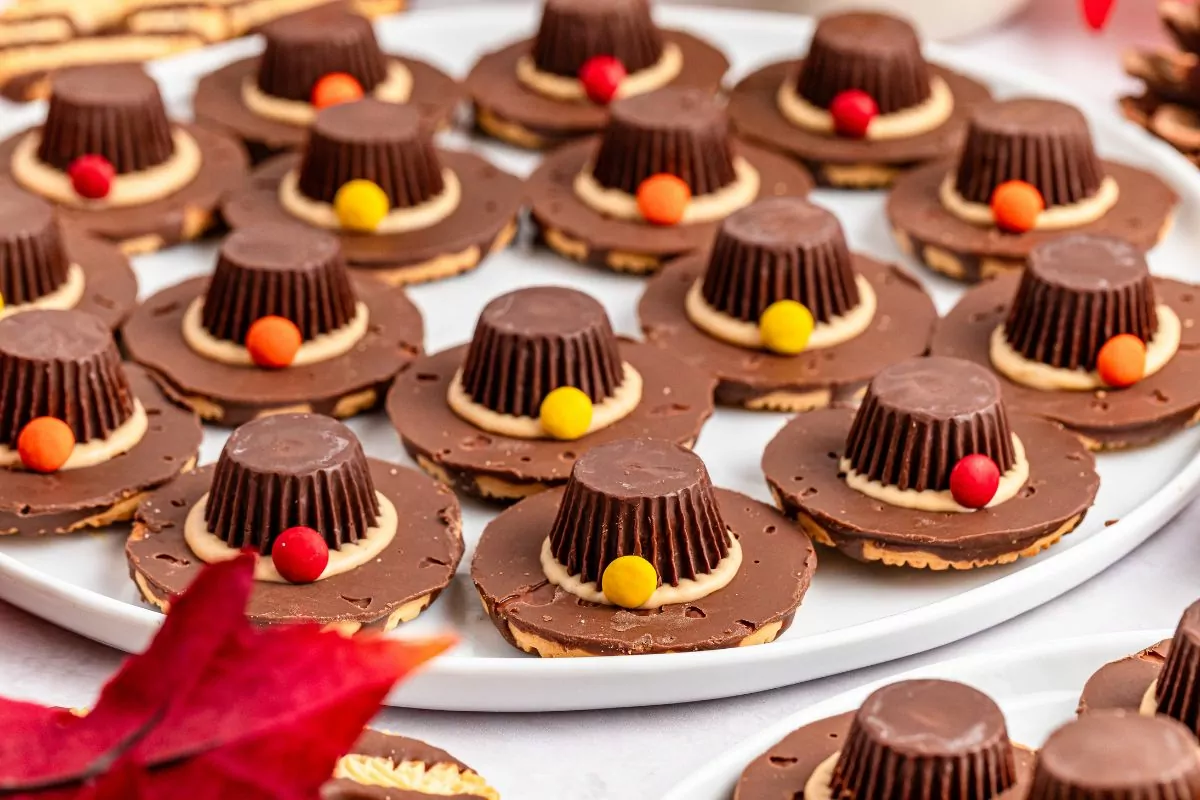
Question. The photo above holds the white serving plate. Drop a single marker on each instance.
(854, 615)
(1037, 688)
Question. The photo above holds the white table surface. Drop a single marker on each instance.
(638, 754)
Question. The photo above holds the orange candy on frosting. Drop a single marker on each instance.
(336, 88)
(45, 444)
(1121, 361)
(273, 342)
(1016, 206)
(662, 199)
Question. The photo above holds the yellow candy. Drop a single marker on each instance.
(629, 581)
(1, 301)
(360, 205)
(566, 413)
(785, 327)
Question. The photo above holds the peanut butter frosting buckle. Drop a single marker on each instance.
(387, 762)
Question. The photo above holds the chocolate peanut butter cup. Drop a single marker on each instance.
(875, 483)
(941, 214)
(394, 536)
(470, 416)
(730, 571)
(386, 766)
(706, 309)
(572, 31)
(356, 333)
(446, 210)
(1041, 332)
(65, 365)
(303, 48)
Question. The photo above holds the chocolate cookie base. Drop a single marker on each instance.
(484, 222)
(801, 467)
(508, 110)
(231, 395)
(839, 161)
(1122, 684)
(110, 286)
(676, 402)
(414, 568)
(941, 241)
(218, 104)
(397, 749)
(579, 232)
(1106, 419)
(33, 504)
(179, 217)
(757, 379)
(538, 617)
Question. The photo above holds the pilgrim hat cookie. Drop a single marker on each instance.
(862, 107)
(640, 554)
(543, 379)
(83, 437)
(117, 167)
(1086, 337)
(892, 747)
(1028, 173)
(49, 266)
(780, 310)
(403, 209)
(343, 540)
(384, 766)
(312, 61)
(540, 92)
(281, 325)
(931, 472)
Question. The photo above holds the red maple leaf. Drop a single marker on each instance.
(213, 709)
(1097, 12)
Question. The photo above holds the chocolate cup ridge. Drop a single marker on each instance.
(573, 31)
(33, 256)
(1178, 692)
(303, 48)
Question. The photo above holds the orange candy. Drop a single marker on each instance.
(663, 199)
(1122, 360)
(273, 342)
(1016, 206)
(45, 444)
(336, 88)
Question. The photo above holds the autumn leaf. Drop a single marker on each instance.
(1097, 12)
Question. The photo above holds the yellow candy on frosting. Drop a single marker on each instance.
(566, 413)
(629, 581)
(1, 301)
(785, 327)
(361, 205)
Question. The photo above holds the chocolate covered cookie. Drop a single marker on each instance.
(385, 766)
(640, 554)
(117, 167)
(543, 380)
(862, 107)
(932, 471)
(1028, 173)
(391, 538)
(404, 210)
(541, 92)
(83, 436)
(783, 313)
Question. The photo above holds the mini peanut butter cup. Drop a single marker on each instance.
(33, 257)
(573, 31)
(1177, 692)
(303, 48)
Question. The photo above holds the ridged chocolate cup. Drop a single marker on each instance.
(1117, 755)
(111, 111)
(1178, 689)
(920, 417)
(1075, 294)
(380, 142)
(303, 48)
(925, 740)
(532, 341)
(681, 132)
(61, 364)
(289, 271)
(285, 470)
(874, 53)
(784, 248)
(1042, 142)
(573, 31)
(640, 497)
(33, 259)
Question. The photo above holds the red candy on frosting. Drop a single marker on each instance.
(974, 481)
(300, 554)
(852, 112)
(91, 176)
(601, 77)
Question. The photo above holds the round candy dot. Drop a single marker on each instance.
(662, 199)
(852, 112)
(1121, 361)
(45, 444)
(974, 481)
(785, 327)
(1016, 206)
(566, 413)
(336, 88)
(91, 176)
(601, 77)
(300, 554)
(361, 205)
(273, 342)
(629, 581)
(1, 301)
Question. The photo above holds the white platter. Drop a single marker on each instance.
(854, 616)
(1037, 688)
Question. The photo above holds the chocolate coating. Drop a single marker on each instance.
(397, 749)
(1178, 693)
(33, 259)
(573, 31)
(303, 48)
(1122, 684)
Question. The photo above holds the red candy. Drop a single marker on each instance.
(852, 112)
(91, 176)
(974, 481)
(300, 555)
(601, 76)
